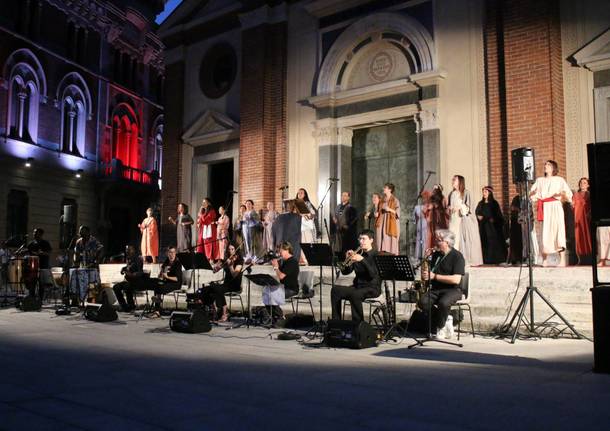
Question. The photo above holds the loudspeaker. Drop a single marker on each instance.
(100, 313)
(346, 333)
(29, 303)
(601, 329)
(599, 159)
(191, 322)
(523, 164)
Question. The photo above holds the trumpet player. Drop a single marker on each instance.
(444, 273)
(367, 283)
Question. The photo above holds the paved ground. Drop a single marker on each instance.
(61, 372)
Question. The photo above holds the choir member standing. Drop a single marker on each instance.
(463, 222)
(582, 220)
(547, 193)
(150, 236)
(222, 233)
(515, 234)
(603, 241)
(308, 221)
(249, 227)
(491, 228)
(373, 219)
(268, 221)
(420, 218)
(183, 224)
(206, 221)
(437, 214)
(344, 225)
(237, 231)
(390, 223)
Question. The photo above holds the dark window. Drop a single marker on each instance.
(218, 70)
(17, 213)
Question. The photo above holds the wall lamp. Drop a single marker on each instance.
(28, 162)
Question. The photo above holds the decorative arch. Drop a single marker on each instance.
(24, 99)
(27, 57)
(125, 135)
(400, 30)
(75, 81)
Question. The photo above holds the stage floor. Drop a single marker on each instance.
(64, 373)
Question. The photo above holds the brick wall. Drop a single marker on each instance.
(262, 149)
(524, 86)
(172, 150)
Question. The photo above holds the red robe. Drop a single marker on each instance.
(582, 222)
(206, 241)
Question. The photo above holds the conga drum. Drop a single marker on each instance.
(31, 268)
(15, 270)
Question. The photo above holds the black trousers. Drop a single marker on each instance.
(215, 293)
(126, 289)
(441, 302)
(355, 295)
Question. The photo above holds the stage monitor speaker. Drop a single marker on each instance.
(190, 322)
(599, 180)
(346, 333)
(100, 313)
(523, 164)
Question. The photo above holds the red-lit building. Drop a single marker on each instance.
(80, 103)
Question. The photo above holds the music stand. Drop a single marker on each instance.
(320, 254)
(394, 268)
(261, 280)
(194, 261)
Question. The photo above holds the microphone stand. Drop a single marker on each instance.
(321, 206)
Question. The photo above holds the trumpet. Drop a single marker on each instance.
(348, 260)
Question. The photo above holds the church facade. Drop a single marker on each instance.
(81, 118)
(292, 93)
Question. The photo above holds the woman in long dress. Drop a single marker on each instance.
(150, 236)
(238, 237)
(268, 221)
(582, 220)
(547, 193)
(206, 221)
(463, 223)
(515, 233)
(436, 213)
(222, 232)
(603, 241)
(420, 218)
(390, 223)
(249, 230)
(491, 228)
(183, 224)
(373, 218)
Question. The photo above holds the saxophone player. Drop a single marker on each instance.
(444, 274)
(367, 283)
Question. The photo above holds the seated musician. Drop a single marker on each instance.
(447, 267)
(367, 283)
(87, 250)
(170, 277)
(287, 272)
(134, 276)
(215, 292)
(38, 247)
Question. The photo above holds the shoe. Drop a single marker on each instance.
(449, 331)
(440, 334)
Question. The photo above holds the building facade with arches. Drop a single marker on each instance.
(81, 116)
(292, 93)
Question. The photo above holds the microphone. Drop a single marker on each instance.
(283, 188)
(431, 172)
(334, 179)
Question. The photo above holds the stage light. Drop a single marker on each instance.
(79, 173)
(28, 162)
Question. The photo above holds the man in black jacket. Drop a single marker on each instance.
(133, 280)
(367, 283)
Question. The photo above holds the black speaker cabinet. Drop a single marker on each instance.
(100, 313)
(345, 333)
(29, 303)
(191, 322)
(523, 164)
(599, 178)
(601, 329)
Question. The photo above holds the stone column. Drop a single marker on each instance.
(20, 115)
(428, 147)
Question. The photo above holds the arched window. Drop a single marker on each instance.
(156, 141)
(75, 102)
(125, 136)
(27, 88)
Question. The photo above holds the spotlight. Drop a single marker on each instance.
(28, 162)
(79, 173)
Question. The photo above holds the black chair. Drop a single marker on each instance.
(306, 292)
(464, 304)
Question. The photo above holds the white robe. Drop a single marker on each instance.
(553, 226)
